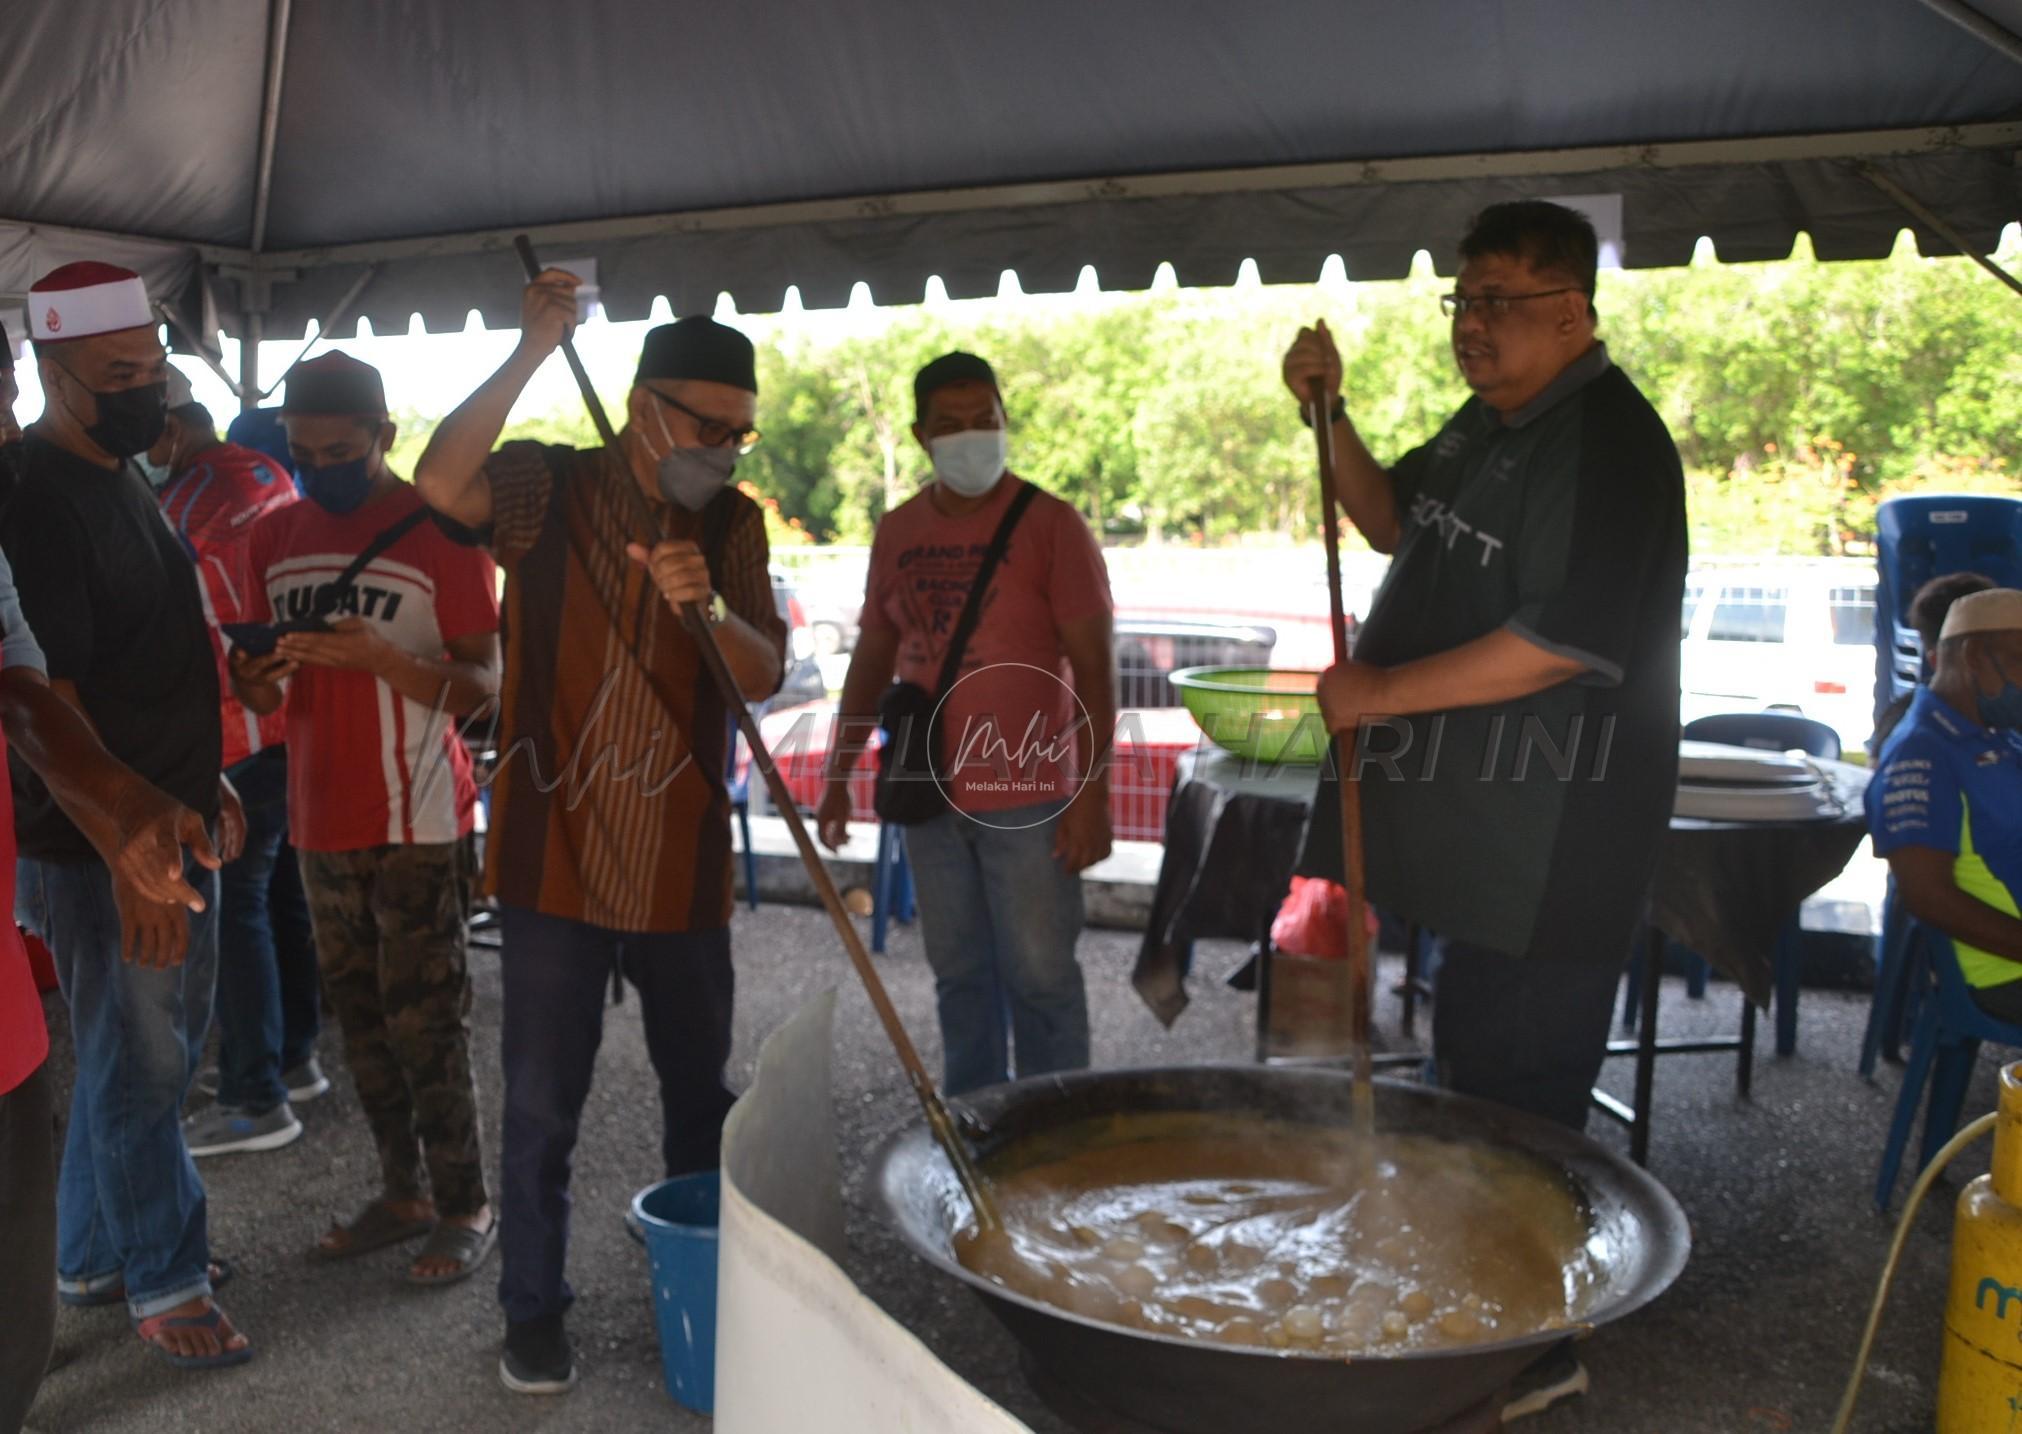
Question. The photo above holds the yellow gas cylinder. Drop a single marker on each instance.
(1980, 1381)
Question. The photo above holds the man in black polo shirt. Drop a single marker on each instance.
(1522, 655)
(1517, 675)
(112, 597)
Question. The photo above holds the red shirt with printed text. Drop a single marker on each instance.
(368, 766)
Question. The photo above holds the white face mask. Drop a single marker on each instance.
(970, 462)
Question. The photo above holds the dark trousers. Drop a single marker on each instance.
(1522, 1032)
(28, 1251)
(267, 989)
(556, 975)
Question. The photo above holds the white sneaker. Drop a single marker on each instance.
(226, 1130)
(305, 1081)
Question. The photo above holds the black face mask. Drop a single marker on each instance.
(130, 420)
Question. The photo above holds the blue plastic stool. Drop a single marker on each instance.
(679, 1217)
(1697, 970)
(1949, 1030)
(891, 885)
(738, 785)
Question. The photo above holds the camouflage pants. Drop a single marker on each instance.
(391, 943)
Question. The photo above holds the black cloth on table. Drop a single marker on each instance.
(1722, 889)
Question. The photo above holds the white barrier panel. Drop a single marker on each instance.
(798, 1345)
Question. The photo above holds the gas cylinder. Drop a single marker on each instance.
(1980, 1380)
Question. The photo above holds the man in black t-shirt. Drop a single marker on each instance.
(1517, 675)
(112, 597)
(1516, 681)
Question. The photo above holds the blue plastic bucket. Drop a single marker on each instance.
(679, 1217)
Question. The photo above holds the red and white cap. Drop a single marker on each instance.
(80, 300)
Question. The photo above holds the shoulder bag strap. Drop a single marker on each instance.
(381, 541)
(972, 610)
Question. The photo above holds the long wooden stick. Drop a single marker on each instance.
(1351, 793)
(647, 530)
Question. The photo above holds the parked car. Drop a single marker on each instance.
(1795, 637)
(1150, 649)
(804, 682)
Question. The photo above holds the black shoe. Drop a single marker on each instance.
(1557, 1377)
(538, 1358)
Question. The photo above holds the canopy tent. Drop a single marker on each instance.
(294, 159)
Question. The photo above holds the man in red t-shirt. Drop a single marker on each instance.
(1025, 733)
(380, 793)
(212, 493)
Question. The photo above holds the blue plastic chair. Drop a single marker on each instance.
(1949, 1030)
(1923, 537)
(1766, 732)
(738, 783)
(1893, 1008)
(891, 885)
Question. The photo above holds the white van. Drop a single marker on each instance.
(1795, 636)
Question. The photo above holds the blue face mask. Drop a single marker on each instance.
(2004, 708)
(339, 488)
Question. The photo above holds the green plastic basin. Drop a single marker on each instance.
(1268, 714)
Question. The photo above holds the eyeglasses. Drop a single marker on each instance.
(713, 432)
(1493, 306)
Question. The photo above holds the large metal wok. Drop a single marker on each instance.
(1106, 1377)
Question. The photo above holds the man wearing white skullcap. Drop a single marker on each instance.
(113, 599)
(1945, 805)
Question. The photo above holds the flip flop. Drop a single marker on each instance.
(212, 1319)
(221, 1273)
(372, 1228)
(461, 1243)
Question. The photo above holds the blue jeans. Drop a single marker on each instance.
(556, 974)
(1000, 918)
(129, 1205)
(267, 987)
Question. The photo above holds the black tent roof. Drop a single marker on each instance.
(695, 148)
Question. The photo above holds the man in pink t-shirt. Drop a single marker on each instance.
(380, 795)
(1024, 733)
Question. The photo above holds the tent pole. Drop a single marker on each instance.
(1924, 215)
(249, 361)
(1557, 164)
(1979, 26)
(202, 350)
(328, 322)
(270, 120)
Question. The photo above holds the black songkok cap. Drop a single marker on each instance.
(956, 367)
(335, 383)
(698, 347)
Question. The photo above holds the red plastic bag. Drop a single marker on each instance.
(1313, 921)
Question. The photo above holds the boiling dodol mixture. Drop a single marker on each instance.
(1290, 1237)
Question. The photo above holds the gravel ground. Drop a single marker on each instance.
(1756, 1335)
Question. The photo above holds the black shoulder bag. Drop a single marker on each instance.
(909, 791)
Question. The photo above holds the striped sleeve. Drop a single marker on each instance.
(522, 481)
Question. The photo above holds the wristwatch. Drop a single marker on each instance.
(716, 609)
